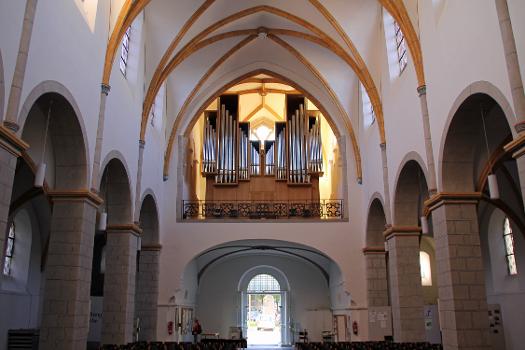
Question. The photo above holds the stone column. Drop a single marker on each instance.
(513, 66)
(11, 147)
(386, 185)
(66, 306)
(461, 277)
(11, 119)
(100, 136)
(148, 291)
(119, 284)
(138, 190)
(406, 292)
(376, 278)
(429, 150)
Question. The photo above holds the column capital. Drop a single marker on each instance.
(441, 198)
(132, 228)
(401, 231)
(12, 126)
(374, 250)
(142, 144)
(151, 247)
(11, 142)
(105, 88)
(382, 145)
(519, 127)
(516, 146)
(76, 195)
(422, 90)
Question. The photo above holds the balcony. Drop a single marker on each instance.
(324, 209)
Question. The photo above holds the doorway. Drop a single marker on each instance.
(264, 319)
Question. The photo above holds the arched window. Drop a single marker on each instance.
(124, 53)
(9, 250)
(369, 116)
(263, 283)
(426, 272)
(508, 239)
(396, 46)
(402, 55)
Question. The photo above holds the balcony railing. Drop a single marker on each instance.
(323, 209)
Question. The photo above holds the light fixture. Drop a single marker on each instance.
(103, 217)
(41, 168)
(102, 220)
(424, 224)
(492, 179)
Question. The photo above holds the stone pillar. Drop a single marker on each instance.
(100, 136)
(148, 291)
(13, 103)
(406, 292)
(119, 284)
(138, 190)
(386, 185)
(461, 277)
(11, 147)
(376, 278)
(513, 66)
(429, 150)
(66, 306)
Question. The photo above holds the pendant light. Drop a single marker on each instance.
(41, 168)
(492, 179)
(103, 217)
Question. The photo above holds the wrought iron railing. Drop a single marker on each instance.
(322, 209)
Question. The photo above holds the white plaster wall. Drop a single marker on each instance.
(308, 291)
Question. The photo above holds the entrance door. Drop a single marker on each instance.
(264, 318)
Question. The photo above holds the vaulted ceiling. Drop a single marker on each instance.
(201, 48)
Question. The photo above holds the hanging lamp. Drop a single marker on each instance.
(103, 217)
(41, 168)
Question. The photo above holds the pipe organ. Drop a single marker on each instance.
(293, 159)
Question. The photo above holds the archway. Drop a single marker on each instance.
(376, 270)
(264, 305)
(148, 271)
(403, 243)
(116, 247)
(473, 149)
(53, 128)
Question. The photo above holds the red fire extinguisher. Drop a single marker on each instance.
(355, 328)
(170, 327)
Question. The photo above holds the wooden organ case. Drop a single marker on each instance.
(284, 169)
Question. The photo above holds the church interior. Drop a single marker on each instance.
(308, 174)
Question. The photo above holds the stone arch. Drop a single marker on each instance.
(376, 222)
(454, 150)
(149, 221)
(411, 190)
(66, 152)
(116, 191)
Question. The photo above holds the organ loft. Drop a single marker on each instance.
(263, 150)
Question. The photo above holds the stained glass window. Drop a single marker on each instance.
(401, 47)
(124, 53)
(9, 250)
(508, 239)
